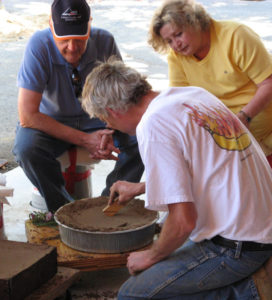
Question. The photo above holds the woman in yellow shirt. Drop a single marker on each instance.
(226, 58)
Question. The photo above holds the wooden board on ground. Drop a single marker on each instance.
(56, 286)
(71, 258)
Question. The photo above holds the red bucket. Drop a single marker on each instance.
(77, 178)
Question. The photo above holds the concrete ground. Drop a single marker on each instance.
(128, 21)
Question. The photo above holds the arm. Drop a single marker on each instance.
(261, 99)
(253, 60)
(178, 226)
(126, 191)
(30, 116)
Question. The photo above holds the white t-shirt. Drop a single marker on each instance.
(195, 150)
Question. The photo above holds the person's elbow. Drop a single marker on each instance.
(26, 120)
(185, 217)
(191, 221)
(189, 226)
(28, 107)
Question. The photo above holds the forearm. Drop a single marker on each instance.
(171, 238)
(139, 188)
(261, 99)
(257, 104)
(30, 117)
(55, 129)
(178, 226)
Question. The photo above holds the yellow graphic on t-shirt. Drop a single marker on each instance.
(226, 130)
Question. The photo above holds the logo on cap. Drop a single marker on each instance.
(70, 15)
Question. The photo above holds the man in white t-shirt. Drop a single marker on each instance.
(206, 170)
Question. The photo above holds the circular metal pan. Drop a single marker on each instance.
(107, 242)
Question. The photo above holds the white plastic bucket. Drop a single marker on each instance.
(37, 201)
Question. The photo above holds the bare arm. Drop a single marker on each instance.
(178, 226)
(126, 191)
(30, 116)
(261, 99)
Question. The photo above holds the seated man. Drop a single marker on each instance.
(205, 168)
(55, 65)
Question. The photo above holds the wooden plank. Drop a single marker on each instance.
(72, 258)
(57, 285)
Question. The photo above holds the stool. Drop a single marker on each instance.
(76, 166)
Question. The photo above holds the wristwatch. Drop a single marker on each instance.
(247, 117)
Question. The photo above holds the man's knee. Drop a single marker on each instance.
(23, 151)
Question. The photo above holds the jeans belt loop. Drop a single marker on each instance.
(238, 249)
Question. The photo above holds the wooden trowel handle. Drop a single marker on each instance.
(111, 210)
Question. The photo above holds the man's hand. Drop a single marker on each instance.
(125, 191)
(139, 261)
(100, 145)
(176, 229)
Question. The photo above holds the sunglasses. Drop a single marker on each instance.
(77, 82)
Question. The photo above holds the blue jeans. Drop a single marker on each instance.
(36, 153)
(198, 271)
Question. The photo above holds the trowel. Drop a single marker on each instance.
(111, 210)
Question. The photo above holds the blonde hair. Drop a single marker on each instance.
(182, 13)
(113, 85)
